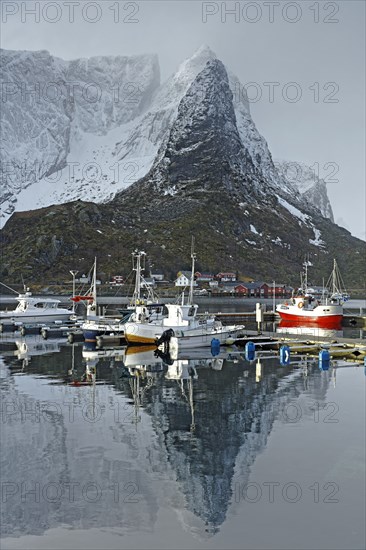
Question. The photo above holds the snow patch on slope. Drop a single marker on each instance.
(293, 210)
(317, 241)
(306, 181)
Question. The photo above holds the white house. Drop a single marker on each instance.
(184, 279)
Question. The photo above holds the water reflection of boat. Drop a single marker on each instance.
(32, 346)
(309, 329)
(152, 359)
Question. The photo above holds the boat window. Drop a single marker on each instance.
(191, 312)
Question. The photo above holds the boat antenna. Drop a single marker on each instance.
(193, 256)
(9, 288)
(24, 287)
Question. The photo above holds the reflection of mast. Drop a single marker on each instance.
(191, 404)
(135, 389)
(72, 369)
(258, 370)
(90, 376)
(305, 373)
(334, 377)
(180, 371)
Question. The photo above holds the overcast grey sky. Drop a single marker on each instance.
(319, 46)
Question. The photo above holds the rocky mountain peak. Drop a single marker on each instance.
(204, 146)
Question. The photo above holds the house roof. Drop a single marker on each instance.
(230, 284)
(277, 285)
(185, 273)
(254, 285)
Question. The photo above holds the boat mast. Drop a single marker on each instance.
(95, 283)
(334, 276)
(137, 292)
(193, 256)
(305, 282)
(92, 307)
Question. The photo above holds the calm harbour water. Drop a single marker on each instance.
(207, 452)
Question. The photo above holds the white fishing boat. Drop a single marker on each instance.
(181, 322)
(104, 325)
(304, 308)
(32, 309)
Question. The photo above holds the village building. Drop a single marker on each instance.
(204, 277)
(225, 277)
(117, 280)
(184, 279)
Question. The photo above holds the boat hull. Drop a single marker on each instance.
(148, 334)
(205, 340)
(91, 333)
(46, 318)
(324, 321)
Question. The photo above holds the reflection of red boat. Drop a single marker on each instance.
(325, 323)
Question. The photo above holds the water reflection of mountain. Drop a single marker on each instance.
(233, 417)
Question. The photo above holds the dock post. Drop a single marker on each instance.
(259, 316)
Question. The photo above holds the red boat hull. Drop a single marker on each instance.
(324, 321)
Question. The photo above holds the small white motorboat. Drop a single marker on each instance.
(31, 309)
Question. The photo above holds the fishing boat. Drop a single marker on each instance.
(31, 309)
(181, 321)
(103, 325)
(304, 308)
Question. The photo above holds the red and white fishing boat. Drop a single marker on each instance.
(304, 308)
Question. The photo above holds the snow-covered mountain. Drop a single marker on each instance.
(95, 126)
(312, 188)
(61, 121)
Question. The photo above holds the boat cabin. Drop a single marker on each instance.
(26, 302)
(180, 315)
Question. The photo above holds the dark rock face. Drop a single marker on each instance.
(206, 129)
